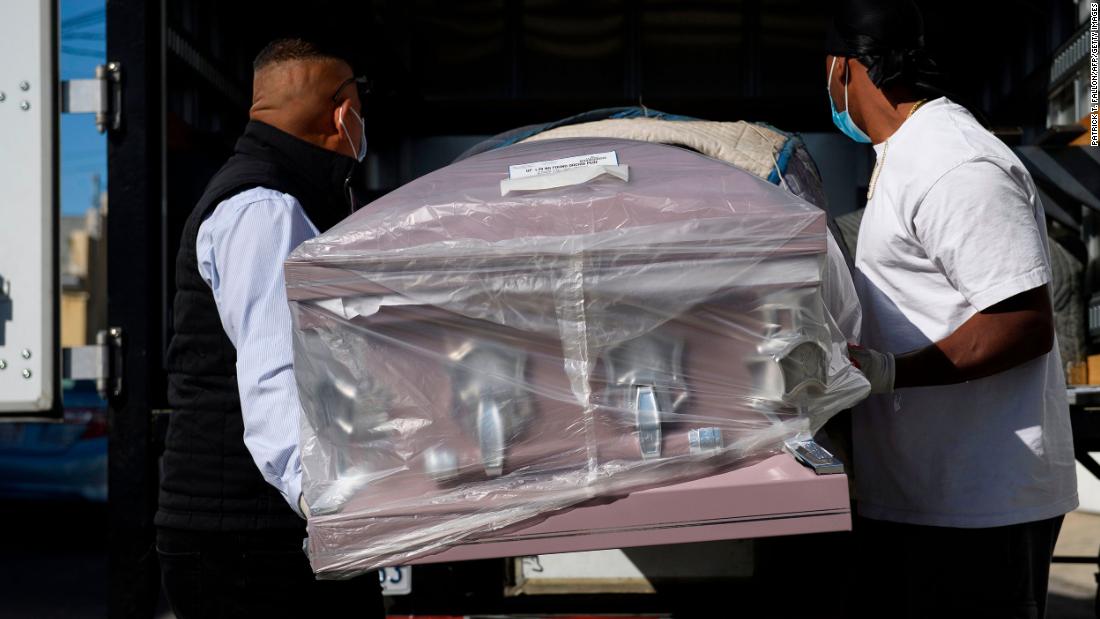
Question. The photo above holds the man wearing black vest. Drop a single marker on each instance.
(231, 516)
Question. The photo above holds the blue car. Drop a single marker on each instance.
(58, 460)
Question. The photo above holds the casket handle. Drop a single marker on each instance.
(647, 419)
(490, 433)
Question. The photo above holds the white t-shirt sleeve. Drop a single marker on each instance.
(977, 225)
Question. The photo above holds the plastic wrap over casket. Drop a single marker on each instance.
(468, 361)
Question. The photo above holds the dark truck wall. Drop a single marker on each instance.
(449, 73)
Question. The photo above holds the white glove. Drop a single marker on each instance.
(878, 367)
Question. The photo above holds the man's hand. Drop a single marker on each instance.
(876, 366)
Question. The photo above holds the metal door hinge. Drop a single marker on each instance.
(101, 95)
(101, 363)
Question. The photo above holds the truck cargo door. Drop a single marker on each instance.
(29, 348)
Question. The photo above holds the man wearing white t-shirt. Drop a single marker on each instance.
(964, 461)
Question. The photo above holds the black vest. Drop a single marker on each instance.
(208, 478)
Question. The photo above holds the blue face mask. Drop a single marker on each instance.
(843, 120)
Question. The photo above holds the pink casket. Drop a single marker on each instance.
(475, 352)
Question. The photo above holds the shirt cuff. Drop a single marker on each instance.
(294, 495)
(993, 295)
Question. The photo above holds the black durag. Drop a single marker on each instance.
(887, 36)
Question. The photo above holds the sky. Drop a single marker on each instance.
(83, 149)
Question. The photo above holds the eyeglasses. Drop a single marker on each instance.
(362, 85)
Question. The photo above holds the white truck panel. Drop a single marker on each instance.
(28, 203)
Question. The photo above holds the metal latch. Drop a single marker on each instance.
(809, 453)
(5, 305)
(101, 95)
(101, 363)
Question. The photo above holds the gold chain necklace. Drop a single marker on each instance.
(885, 146)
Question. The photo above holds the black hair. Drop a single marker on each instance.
(293, 48)
(887, 37)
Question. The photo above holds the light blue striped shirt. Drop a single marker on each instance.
(241, 248)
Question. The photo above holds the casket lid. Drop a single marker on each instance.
(679, 212)
(459, 208)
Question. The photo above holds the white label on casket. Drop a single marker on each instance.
(565, 178)
(539, 168)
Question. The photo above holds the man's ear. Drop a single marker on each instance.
(340, 113)
(341, 116)
(856, 68)
(846, 75)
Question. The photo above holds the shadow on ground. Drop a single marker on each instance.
(53, 563)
